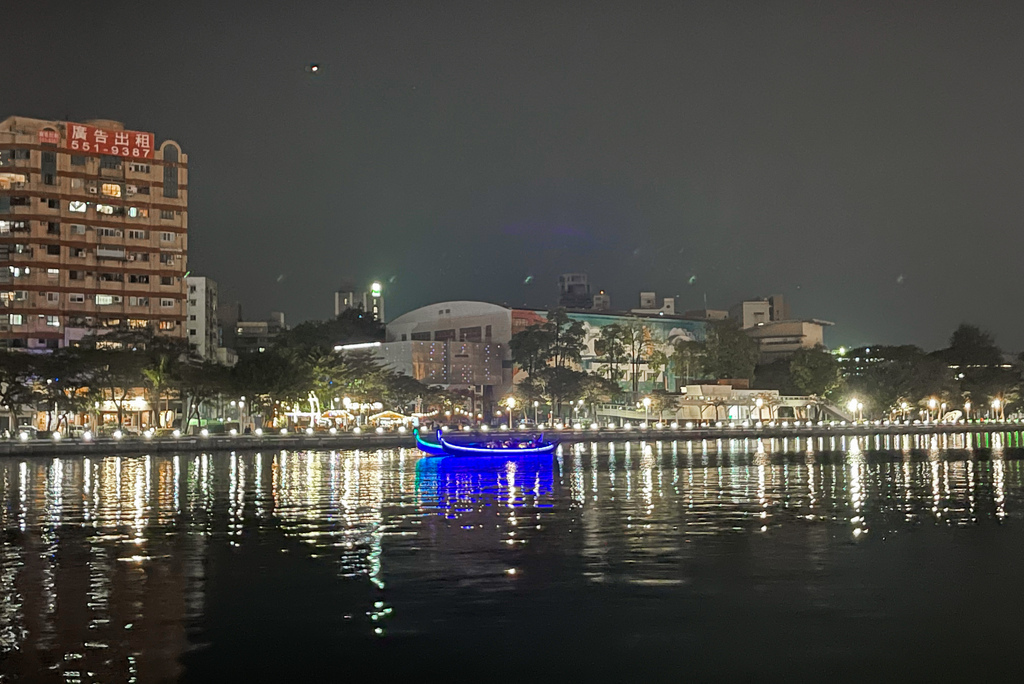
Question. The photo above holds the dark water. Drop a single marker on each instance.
(889, 559)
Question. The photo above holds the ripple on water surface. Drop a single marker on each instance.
(157, 567)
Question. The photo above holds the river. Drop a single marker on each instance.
(722, 560)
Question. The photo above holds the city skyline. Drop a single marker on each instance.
(852, 158)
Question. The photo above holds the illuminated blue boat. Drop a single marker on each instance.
(496, 447)
(428, 447)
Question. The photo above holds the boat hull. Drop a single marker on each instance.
(473, 450)
(428, 447)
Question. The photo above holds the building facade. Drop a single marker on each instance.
(254, 337)
(574, 291)
(371, 301)
(93, 232)
(203, 325)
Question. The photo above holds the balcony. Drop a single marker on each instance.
(103, 252)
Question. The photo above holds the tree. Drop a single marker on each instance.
(662, 401)
(350, 327)
(970, 346)
(531, 347)
(200, 382)
(567, 339)
(815, 371)
(730, 352)
(656, 362)
(891, 376)
(636, 342)
(17, 390)
(594, 389)
(609, 346)
(267, 379)
(688, 357)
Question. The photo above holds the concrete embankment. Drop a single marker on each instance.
(327, 442)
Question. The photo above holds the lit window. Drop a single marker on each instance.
(103, 300)
(104, 209)
(78, 207)
(111, 189)
(53, 321)
(138, 212)
(52, 272)
(17, 319)
(166, 325)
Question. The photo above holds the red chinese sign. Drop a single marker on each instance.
(132, 144)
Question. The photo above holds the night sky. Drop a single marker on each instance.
(865, 159)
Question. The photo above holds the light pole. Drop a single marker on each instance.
(942, 410)
(932, 403)
(759, 402)
(997, 406)
(535, 405)
(647, 410)
(511, 403)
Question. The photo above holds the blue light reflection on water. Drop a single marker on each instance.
(106, 562)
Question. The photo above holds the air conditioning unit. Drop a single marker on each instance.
(131, 189)
(93, 190)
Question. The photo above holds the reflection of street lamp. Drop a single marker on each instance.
(647, 410)
(511, 403)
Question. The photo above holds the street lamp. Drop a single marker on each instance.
(647, 410)
(942, 411)
(852, 406)
(967, 410)
(932, 403)
(511, 403)
(904, 406)
(996, 407)
(535, 405)
(759, 402)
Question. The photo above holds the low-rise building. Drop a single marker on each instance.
(257, 336)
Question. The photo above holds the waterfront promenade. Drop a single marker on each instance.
(323, 441)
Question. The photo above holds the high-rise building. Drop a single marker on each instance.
(93, 231)
(371, 301)
(203, 325)
(574, 291)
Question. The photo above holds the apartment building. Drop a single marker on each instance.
(93, 231)
(203, 324)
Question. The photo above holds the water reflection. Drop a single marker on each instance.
(103, 569)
